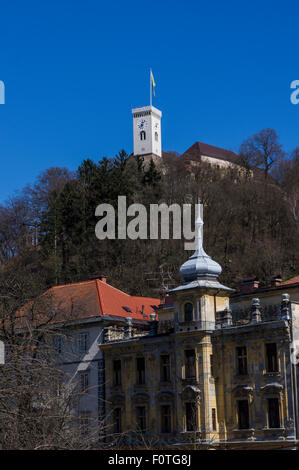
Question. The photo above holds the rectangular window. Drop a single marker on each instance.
(191, 417)
(165, 368)
(214, 419)
(83, 342)
(117, 420)
(140, 363)
(141, 418)
(242, 360)
(165, 418)
(190, 367)
(243, 414)
(117, 372)
(271, 358)
(273, 413)
(84, 379)
(212, 365)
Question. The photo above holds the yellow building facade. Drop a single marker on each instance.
(202, 377)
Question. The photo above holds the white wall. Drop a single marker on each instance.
(152, 118)
(73, 362)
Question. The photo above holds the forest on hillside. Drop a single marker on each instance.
(251, 224)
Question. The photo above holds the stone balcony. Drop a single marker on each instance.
(121, 334)
(257, 313)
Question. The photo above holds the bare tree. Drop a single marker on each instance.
(37, 398)
(262, 150)
(291, 186)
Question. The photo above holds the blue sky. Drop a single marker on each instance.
(73, 71)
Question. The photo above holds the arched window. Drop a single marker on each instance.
(142, 135)
(188, 311)
(156, 136)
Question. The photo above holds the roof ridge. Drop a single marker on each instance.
(197, 145)
(100, 294)
(141, 297)
(215, 146)
(99, 297)
(73, 284)
(115, 288)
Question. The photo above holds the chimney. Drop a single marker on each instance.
(98, 277)
(275, 281)
(163, 293)
(246, 286)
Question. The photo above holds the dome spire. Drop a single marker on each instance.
(199, 227)
(200, 265)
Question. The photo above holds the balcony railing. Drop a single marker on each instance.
(119, 334)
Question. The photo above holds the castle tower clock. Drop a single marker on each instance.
(147, 131)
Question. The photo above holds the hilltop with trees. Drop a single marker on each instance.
(251, 224)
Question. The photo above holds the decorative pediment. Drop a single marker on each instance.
(242, 390)
(118, 398)
(273, 387)
(191, 392)
(140, 397)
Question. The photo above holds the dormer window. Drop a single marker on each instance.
(142, 135)
(188, 311)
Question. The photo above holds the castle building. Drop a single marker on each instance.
(147, 139)
(202, 376)
(214, 156)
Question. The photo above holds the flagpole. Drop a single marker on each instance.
(150, 87)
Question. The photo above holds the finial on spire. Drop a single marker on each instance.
(200, 265)
(199, 226)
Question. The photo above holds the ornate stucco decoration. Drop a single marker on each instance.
(118, 399)
(191, 392)
(140, 397)
(272, 388)
(243, 391)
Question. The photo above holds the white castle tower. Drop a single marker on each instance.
(147, 131)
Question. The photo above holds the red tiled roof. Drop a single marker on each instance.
(294, 280)
(199, 148)
(88, 299)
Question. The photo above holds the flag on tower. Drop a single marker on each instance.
(153, 84)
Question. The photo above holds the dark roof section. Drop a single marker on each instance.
(199, 148)
(292, 283)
